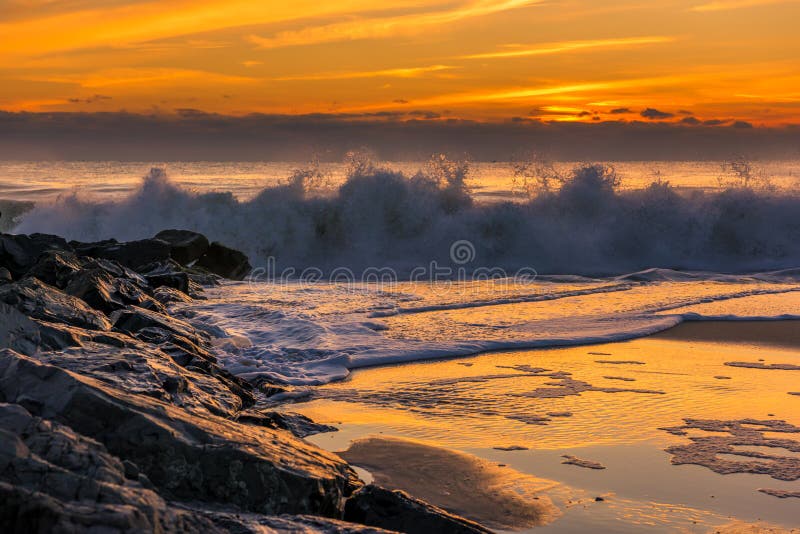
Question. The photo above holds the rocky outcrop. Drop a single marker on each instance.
(209, 459)
(225, 262)
(115, 414)
(132, 254)
(396, 510)
(185, 246)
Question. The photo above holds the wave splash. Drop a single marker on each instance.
(382, 218)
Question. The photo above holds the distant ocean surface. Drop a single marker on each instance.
(36, 181)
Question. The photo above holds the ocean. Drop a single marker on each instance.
(361, 265)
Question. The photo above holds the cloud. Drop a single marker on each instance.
(725, 5)
(193, 134)
(570, 46)
(89, 100)
(411, 72)
(741, 124)
(654, 114)
(692, 121)
(381, 27)
(714, 122)
(620, 111)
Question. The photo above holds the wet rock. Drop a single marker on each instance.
(106, 293)
(5, 276)
(17, 331)
(759, 365)
(781, 494)
(41, 301)
(206, 459)
(167, 295)
(131, 254)
(299, 425)
(55, 267)
(185, 246)
(18, 253)
(225, 262)
(134, 319)
(55, 480)
(398, 511)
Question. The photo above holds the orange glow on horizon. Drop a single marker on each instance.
(485, 60)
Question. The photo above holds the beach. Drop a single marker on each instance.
(433, 406)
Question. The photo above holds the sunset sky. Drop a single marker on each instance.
(566, 60)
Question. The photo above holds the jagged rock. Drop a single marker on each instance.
(225, 262)
(41, 301)
(134, 319)
(298, 424)
(167, 295)
(107, 293)
(5, 276)
(185, 246)
(206, 459)
(144, 370)
(55, 267)
(18, 253)
(17, 331)
(238, 523)
(132, 254)
(55, 480)
(396, 510)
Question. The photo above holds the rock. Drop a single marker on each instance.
(17, 332)
(55, 480)
(41, 301)
(299, 425)
(239, 523)
(144, 370)
(134, 319)
(19, 252)
(225, 262)
(55, 267)
(5, 276)
(167, 295)
(185, 246)
(396, 510)
(203, 459)
(107, 293)
(132, 254)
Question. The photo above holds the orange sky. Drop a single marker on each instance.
(480, 59)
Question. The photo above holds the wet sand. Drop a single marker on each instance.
(778, 333)
(499, 416)
(493, 495)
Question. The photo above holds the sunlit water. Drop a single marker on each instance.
(43, 180)
(604, 402)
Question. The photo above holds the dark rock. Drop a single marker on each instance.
(5, 276)
(41, 301)
(18, 253)
(132, 254)
(205, 459)
(299, 425)
(185, 246)
(55, 267)
(107, 293)
(55, 480)
(225, 262)
(134, 319)
(17, 331)
(239, 523)
(179, 281)
(396, 510)
(167, 295)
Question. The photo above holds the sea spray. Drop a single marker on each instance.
(383, 218)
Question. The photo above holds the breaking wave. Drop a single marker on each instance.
(382, 218)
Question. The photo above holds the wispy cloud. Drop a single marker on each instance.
(570, 46)
(147, 77)
(381, 27)
(412, 72)
(724, 5)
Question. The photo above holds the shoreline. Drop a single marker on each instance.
(779, 332)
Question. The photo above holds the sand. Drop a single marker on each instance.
(498, 497)
(778, 333)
